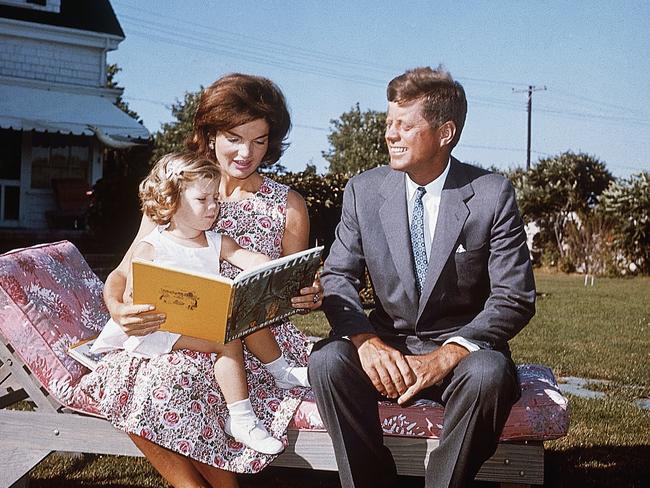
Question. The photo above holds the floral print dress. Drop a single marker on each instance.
(174, 400)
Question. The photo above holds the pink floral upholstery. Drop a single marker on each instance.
(49, 298)
(540, 414)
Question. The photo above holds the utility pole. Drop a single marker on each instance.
(530, 90)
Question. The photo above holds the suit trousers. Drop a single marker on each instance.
(477, 396)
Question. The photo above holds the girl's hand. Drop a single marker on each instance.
(137, 320)
(310, 297)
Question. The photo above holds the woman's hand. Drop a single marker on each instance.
(311, 297)
(136, 320)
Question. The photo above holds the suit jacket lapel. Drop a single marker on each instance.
(394, 220)
(452, 214)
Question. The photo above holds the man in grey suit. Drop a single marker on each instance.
(445, 248)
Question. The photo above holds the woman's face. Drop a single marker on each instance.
(241, 149)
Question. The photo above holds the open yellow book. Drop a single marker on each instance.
(217, 308)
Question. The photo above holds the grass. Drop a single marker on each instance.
(599, 332)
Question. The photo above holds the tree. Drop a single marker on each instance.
(323, 195)
(627, 202)
(111, 72)
(114, 221)
(357, 141)
(556, 190)
(172, 135)
(589, 243)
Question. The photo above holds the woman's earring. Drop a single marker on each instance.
(211, 144)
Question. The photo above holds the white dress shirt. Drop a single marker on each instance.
(431, 203)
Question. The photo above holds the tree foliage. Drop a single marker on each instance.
(112, 71)
(589, 245)
(172, 135)
(357, 141)
(324, 197)
(627, 203)
(114, 212)
(557, 189)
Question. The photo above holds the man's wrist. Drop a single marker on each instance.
(461, 341)
(359, 339)
(455, 352)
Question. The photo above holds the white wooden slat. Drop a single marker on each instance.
(17, 461)
(27, 381)
(514, 463)
(63, 432)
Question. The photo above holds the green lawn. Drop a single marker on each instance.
(598, 332)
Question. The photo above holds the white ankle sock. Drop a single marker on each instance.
(241, 411)
(287, 376)
(245, 427)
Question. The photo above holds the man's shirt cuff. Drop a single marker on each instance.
(461, 341)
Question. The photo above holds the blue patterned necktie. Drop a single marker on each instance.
(417, 239)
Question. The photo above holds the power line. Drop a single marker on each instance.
(312, 61)
(260, 43)
(499, 148)
(209, 47)
(591, 101)
(294, 50)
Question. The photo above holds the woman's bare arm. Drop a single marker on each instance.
(295, 239)
(134, 319)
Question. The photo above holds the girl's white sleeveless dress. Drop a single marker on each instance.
(169, 252)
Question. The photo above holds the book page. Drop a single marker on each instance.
(263, 296)
(196, 304)
(80, 352)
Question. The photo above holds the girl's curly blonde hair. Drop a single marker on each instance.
(160, 191)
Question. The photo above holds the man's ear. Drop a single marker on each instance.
(447, 132)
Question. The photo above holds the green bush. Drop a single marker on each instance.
(324, 197)
(627, 203)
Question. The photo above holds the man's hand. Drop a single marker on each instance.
(386, 367)
(432, 368)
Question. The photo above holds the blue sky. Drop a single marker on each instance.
(593, 57)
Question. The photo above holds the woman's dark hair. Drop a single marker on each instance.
(237, 99)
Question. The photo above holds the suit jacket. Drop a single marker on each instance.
(484, 294)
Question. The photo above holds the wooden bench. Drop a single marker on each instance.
(50, 298)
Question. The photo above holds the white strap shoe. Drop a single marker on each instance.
(253, 434)
(292, 377)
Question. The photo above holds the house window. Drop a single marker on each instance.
(58, 156)
(10, 142)
(10, 203)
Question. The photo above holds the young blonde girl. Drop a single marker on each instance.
(181, 195)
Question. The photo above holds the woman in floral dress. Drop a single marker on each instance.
(171, 406)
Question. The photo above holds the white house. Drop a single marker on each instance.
(52, 91)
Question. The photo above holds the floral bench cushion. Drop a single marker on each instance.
(50, 298)
(540, 414)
